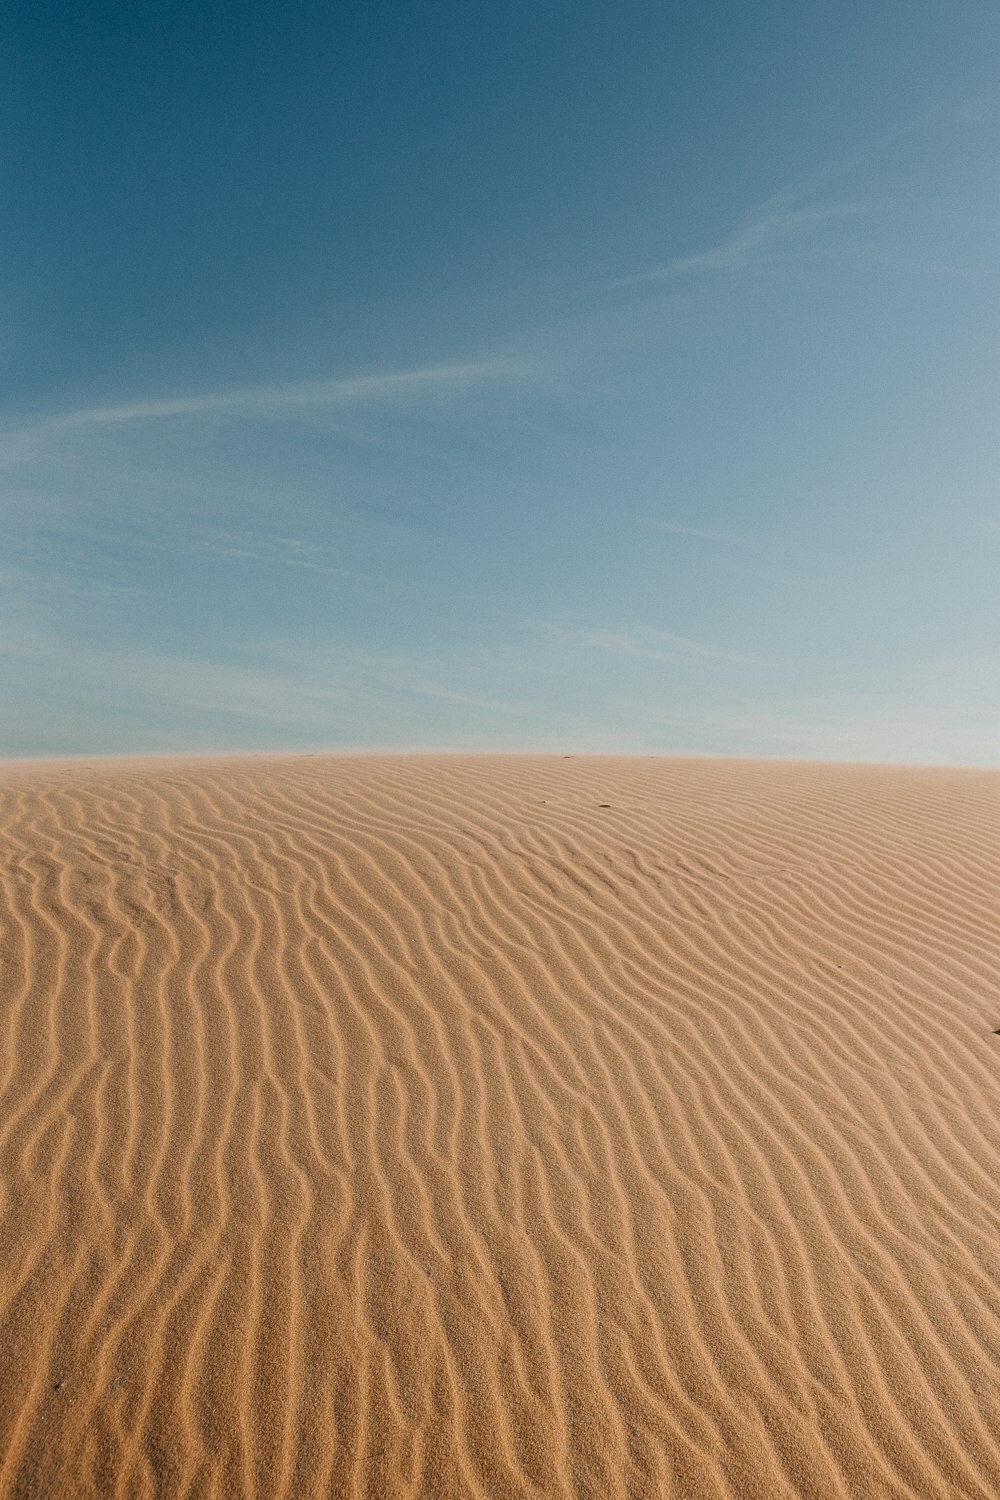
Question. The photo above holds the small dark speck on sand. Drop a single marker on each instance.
(604, 804)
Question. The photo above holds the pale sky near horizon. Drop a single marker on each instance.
(551, 376)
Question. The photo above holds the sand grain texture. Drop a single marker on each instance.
(499, 1127)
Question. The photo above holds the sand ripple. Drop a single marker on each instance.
(508, 1127)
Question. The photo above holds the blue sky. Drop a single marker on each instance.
(536, 376)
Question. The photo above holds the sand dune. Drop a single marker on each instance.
(499, 1127)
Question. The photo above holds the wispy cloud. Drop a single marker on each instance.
(278, 694)
(741, 546)
(774, 223)
(700, 533)
(279, 551)
(262, 400)
(654, 645)
(75, 561)
(825, 196)
(246, 546)
(274, 402)
(858, 728)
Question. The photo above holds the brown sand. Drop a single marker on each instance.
(425, 1126)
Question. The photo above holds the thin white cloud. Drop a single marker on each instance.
(454, 379)
(292, 687)
(808, 204)
(852, 728)
(656, 645)
(700, 533)
(774, 223)
(247, 546)
(273, 402)
(742, 546)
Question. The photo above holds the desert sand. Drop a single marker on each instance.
(499, 1127)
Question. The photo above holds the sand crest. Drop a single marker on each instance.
(499, 1127)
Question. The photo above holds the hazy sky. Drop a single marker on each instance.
(539, 375)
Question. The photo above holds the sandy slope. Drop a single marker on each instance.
(376, 1127)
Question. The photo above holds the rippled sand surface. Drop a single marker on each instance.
(499, 1127)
